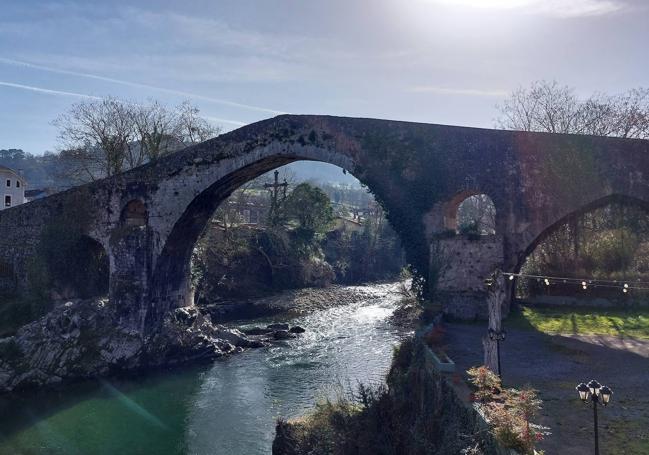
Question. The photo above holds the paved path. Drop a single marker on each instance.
(555, 365)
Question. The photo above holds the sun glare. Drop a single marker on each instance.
(487, 4)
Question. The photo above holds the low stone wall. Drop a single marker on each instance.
(462, 417)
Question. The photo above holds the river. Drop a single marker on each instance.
(225, 408)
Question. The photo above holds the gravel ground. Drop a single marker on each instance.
(307, 300)
(555, 365)
(299, 301)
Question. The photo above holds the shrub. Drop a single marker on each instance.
(511, 414)
(485, 381)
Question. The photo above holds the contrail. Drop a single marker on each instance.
(13, 62)
(224, 120)
(47, 90)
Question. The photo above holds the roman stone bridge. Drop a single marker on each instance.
(148, 219)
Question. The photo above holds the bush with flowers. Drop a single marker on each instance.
(509, 412)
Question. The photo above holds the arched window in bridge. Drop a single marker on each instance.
(135, 213)
(476, 215)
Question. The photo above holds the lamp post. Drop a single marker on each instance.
(498, 336)
(596, 393)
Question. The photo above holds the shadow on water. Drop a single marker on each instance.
(97, 416)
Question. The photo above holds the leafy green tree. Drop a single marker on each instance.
(310, 207)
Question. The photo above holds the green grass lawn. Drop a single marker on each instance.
(582, 321)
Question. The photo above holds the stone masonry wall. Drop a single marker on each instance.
(465, 264)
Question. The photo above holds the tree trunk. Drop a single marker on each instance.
(497, 294)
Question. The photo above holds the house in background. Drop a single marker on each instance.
(346, 224)
(12, 188)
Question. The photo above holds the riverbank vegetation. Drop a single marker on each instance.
(369, 420)
(383, 419)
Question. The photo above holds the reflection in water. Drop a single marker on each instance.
(229, 407)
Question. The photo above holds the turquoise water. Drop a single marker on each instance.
(228, 407)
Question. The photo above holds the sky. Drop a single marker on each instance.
(240, 61)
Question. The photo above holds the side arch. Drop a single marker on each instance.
(530, 246)
(620, 199)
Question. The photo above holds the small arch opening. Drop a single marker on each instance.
(476, 215)
(135, 213)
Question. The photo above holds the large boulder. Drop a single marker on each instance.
(88, 339)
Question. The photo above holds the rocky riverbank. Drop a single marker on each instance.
(87, 338)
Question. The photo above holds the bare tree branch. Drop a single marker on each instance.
(549, 107)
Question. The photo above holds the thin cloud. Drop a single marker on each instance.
(47, 91)
(224, 120)
(557, 8)
(578, 8)
(456, 91)
(50, 69)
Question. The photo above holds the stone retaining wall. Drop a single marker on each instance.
(454, 401)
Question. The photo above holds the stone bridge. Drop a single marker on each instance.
(148, 219)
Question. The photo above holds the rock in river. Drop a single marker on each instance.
(283, 335)
(88, 339)
(278, 326)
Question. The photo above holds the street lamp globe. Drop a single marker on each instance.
(594, 387)
(605, 393)
(583, 391)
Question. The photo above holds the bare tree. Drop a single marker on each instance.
(554, 108)
(103, 138)
(155, 127)
(190, 127)
(98, 135)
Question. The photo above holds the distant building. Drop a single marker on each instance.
(12, 188)
(347, 224)
(252, 212)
